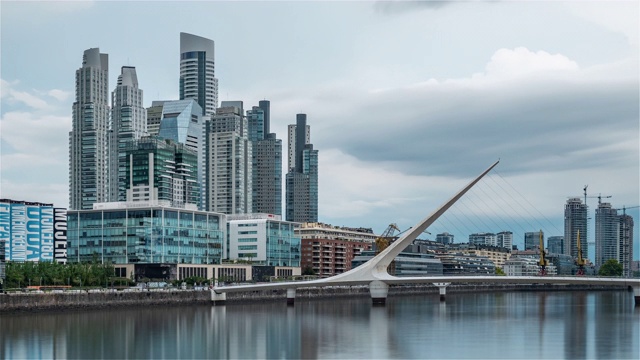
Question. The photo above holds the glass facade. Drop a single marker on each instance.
(145, 235)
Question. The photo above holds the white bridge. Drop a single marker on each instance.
(374, 272)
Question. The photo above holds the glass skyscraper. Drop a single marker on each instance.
(302, 177)
(128, 122)
(89, 136)
(266, 161)
(197, 72)
(227, 161)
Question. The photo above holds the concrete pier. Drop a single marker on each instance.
(443, 289)
(291, 296)
(379, 291)
(636, 295)
(218, 298)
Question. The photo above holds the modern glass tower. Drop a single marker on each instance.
(575, 219)
(197, 72)
(89, 136)
(227, 161)
(160, 169)
(266, 161)
(302, 177)
(128, 122)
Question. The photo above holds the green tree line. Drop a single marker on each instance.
(23, 274)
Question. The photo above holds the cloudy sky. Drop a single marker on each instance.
(407, 101)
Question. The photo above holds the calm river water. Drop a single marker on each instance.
(551, 325)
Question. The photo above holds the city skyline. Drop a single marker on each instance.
(400, 120)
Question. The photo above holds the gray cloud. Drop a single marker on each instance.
(399, 7)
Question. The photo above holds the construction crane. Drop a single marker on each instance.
(384, 240)
(624, 209)
(580, 261)
(599, 197)
(543, 262)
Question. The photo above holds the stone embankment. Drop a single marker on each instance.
(18, 302)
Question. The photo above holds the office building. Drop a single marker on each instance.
(161, 169)
(483, 239)
(263, 239)
(227, 161)
(444, 238)
(555, 244)
(128, 123)
(197, 72)
(526, 266)
(406, 264)
(532, 240)
(302, 176)
(32, 231)
(575, 222)
(151, 233)
(607, 234)
(89, 136)
(504, 239)
(266, 161)
(329, 250)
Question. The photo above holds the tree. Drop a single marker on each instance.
(610, 268)
(500, 272)
(308, 270)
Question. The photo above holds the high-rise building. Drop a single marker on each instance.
(555, 244)
(266, 161)
(607, 234)
(227, 161)
(197, 72)
(154, 117)
(128, 122)
(575, 220)
(161, 169)
(504, 239)
(626, 242)
(89, 136)
(532, 240)
(302, 177)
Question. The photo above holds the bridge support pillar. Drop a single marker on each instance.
(379, 291)
(636, 295)
(218, 298)
(443, 289)
(291, 296)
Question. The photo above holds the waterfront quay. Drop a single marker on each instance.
(18, 301)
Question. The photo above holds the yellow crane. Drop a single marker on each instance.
(543, 262)
(383, 241)
(580, 261)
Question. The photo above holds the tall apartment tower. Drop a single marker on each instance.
(626, 242)
(89, 136)
(197, 72)
(128, 123)
(575, 219)
(227, 161)
(607, 234)
(266, 161)
(302, 177)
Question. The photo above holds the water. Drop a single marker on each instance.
(603, 325)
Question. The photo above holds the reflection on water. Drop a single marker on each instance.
(489, 325)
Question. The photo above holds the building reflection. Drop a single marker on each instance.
(575, 330)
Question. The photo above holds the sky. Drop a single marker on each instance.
(407, 101)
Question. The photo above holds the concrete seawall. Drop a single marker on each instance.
(19, 302)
